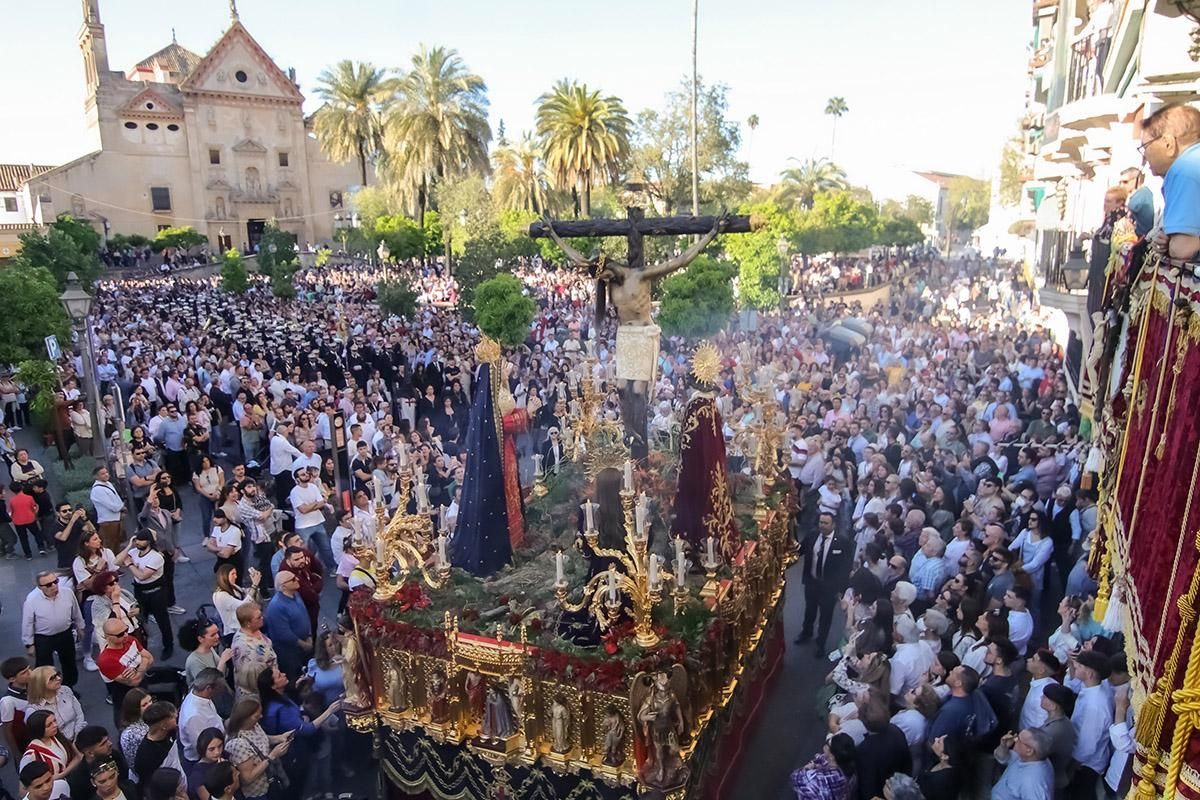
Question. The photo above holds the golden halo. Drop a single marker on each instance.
(706, 364)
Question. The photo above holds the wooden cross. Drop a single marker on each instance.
(629, 284)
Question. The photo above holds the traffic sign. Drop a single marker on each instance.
(52, 348)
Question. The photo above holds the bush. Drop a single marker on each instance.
(182, 238)
(502, 310)
(77, 478)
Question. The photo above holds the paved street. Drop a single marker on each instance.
(786, 733)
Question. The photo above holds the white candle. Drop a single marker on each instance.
(574, 406)
(679, 563)
(377, 487)
(596, 384)
(403, 455)
(653, 571)
(442, 551)
(612, 586)
(441, 518)
(559, 577)
(422, 496)
(628, 476)
(758, 486)
(589, 515)
(712, 557)
(537, 465)
(639, 519)
(562, 390)
(380, 552)
(580, 445)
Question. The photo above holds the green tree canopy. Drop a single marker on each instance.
(800, 184)
(404, 239)
(32, 311)
(968, 203)
(585, 138)
(120, 241)
(183, 238)
(698, 301)
(233, 272)
(661, 155)
(396, 298)
(274, 248)
(757, 255)
(899, 232)
(502, 310)
(1012, 171)
(68, 245)
(350, 125)
(837, 223)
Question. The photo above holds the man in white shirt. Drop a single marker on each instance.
(150, 584)
(309, 459)
(51, 622)
(283, 453)
(1092, 718)
(1043, 666)
(307, 503)
(109, 509)
(912, 659)
(225, 541)
(1020, 621)
(197, 712)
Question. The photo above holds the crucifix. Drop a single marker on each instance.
(628, 285)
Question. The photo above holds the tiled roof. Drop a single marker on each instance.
(13, 175)
(173, 58)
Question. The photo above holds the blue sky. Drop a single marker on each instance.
(931, 84)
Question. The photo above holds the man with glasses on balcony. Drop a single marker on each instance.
(1169, 139)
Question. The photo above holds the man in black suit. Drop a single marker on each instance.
(552, 453)
(827, 559)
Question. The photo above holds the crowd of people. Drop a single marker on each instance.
(937, 461)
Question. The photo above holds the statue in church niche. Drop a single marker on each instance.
(614, 737)
(498, 720)
(659, 727)
(220, 207)
(560, 726)
(438, 695)
(474, 688)
(395, 684)
(253, 187)
(516, 697)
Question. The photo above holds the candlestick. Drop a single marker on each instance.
(589, 515)
(537, 465)
(559, 573)
(628, 486)
(442, 551)
(680, 570)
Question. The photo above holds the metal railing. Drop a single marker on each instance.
(1086, 75)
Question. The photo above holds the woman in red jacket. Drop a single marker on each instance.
(23, 509)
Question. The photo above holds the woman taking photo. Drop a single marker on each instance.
(200, 638)
(47, 693)
(252, 752)
(228, 597)
(48, 745)
(282, 715)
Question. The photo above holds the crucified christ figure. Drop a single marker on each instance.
(629, 288)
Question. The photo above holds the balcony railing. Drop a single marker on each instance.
(1086, 76)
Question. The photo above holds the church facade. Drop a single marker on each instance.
(218, 142)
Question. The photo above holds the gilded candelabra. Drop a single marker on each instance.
(406, 543)
(640, 577)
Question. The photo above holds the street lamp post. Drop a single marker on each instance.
(77, 303)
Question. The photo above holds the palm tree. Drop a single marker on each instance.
(585, 138)
(752, 124)
(836, 108)
(801, 184)
(437, 126)
(519, 175)
(349, 125)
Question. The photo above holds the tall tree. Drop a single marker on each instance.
(585, 138)
(835, 107)
(968, 202)
(661, 158)
(799, 185)
(438, 125)
(32, 312)
(1012, 171)
(519, 175)
(67, 245)
(349, 124)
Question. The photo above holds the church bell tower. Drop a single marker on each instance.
(95, 65)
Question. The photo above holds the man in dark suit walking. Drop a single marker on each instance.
(827, 559)
(552, 452)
